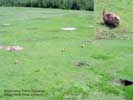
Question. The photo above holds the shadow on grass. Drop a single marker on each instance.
(107, 25)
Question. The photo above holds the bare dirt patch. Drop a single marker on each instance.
(123, 82)
(87, 42)
(81, 63)
(11, 48)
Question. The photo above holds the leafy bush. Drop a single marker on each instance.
(63, 4)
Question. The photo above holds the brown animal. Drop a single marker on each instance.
(111, 18)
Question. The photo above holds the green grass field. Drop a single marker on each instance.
(47, 61)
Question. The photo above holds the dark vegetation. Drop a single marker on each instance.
(63, 4)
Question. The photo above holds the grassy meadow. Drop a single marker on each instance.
(48, 59)
(116, 43)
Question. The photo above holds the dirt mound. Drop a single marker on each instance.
(11, 48)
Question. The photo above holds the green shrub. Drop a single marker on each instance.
(63, 4)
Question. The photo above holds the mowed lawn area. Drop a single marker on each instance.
(115, 47)
(48, 59)
(66, 64)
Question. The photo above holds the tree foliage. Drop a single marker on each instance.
(63, 4)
